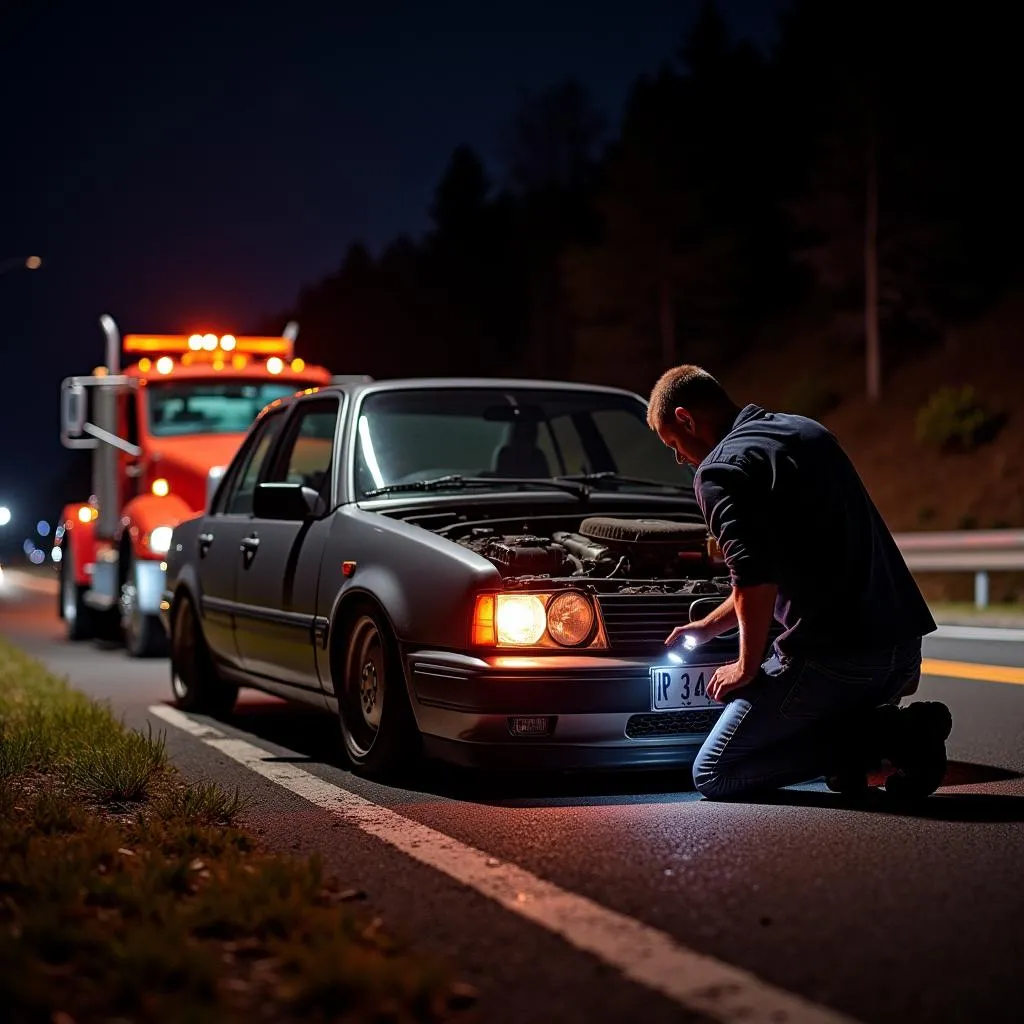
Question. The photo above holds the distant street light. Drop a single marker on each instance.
(21, 263)
(5, 515)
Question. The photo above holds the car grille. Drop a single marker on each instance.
(639, 623)
(671, 723)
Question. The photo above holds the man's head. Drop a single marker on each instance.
(691, 412)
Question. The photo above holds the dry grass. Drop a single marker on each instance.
(127, 894)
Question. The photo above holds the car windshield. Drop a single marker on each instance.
(511, 432)
(205, 407)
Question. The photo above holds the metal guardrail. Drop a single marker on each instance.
(976, 551)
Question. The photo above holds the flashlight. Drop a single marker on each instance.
(688, 643)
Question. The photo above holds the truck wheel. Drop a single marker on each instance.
(78, 617)
(144, 635)
(194, 680)
(377, 724)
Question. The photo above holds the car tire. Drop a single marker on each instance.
(377, 725)
(79, 619)
(144, 635)
(195, 682)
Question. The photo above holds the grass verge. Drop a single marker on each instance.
(1002, 614)
(128, 894)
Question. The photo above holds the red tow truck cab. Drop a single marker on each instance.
(160, 432)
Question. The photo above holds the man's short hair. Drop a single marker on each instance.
(690, 387)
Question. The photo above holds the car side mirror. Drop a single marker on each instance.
(284, 501)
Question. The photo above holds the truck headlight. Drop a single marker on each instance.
(160, 540)
(560, 620)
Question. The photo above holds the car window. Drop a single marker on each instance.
(237, 500)
(306, 456)
(630, 439)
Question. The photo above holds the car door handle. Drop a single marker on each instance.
(205, 540)
(249, 545)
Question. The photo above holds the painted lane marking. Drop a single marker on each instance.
(23, 581)
(643, 954)
(972, 670)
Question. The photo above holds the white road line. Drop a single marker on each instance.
(40, 584)
(978, 633)
(643, 954)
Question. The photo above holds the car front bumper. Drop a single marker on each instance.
(587, 711)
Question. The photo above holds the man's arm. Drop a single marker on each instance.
(736, 506)
(755, 609)
(755, 606)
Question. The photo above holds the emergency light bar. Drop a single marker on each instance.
(249, 345)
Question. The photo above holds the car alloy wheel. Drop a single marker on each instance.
(194, 680)
(365, 686)
(377, 725)
(128, 607)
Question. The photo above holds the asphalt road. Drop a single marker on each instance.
(628, 897)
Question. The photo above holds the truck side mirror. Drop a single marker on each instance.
(72, 409)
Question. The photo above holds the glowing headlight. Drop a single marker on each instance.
(160, 540)
(570, 619)
(555, 621)
(519, 619)
(160, 487)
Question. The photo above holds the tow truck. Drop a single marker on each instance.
(160, 431)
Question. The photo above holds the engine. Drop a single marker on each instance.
(601, 547)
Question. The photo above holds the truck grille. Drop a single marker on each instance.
(672, 723)
(639, 623)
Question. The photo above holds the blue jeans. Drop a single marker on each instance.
(801, 718)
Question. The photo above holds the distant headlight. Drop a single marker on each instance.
(553, 620)
(160, 540)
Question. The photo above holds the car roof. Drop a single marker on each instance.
(364, 386)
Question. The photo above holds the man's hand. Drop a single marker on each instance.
(728, 678)
(696, 630)
(721, 620)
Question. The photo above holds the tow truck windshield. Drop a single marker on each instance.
(179, 408)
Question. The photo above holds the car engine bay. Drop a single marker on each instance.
(627, 555)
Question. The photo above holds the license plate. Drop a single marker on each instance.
(679, 687)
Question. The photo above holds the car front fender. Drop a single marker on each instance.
(424, 583)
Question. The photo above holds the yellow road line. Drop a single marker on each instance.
(970, 670)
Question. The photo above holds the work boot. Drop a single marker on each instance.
(849, 782)
(913, 740)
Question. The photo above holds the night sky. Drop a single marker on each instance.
(186, 166)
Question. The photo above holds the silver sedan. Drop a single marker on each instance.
(484, 571)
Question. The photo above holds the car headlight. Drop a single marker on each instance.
(159, 540)
(553, 620)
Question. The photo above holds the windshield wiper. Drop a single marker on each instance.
(456, 482)
(609, 476)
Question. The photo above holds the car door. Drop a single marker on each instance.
(219, 551)
(277, 583)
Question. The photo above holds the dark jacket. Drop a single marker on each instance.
(787, 507)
